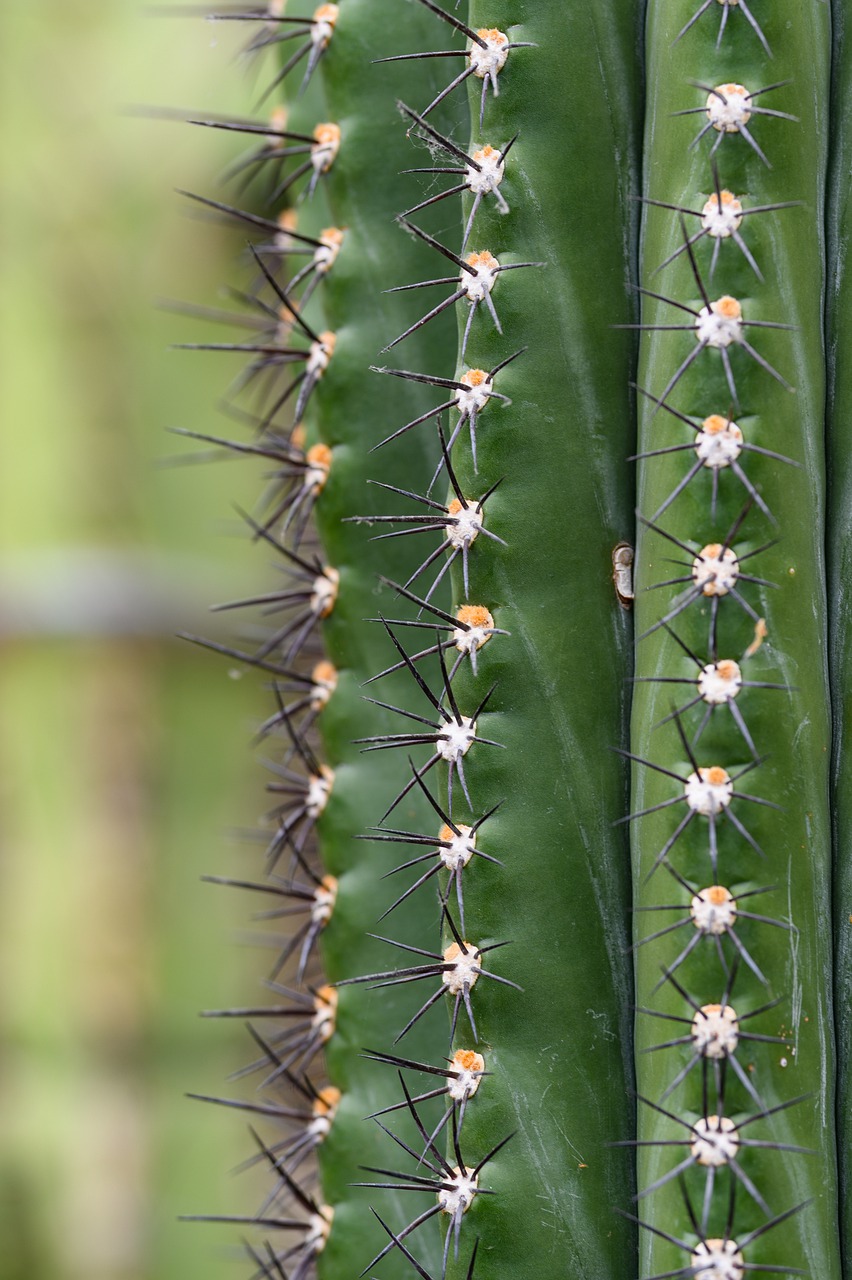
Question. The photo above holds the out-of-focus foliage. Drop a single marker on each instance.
(122, 755)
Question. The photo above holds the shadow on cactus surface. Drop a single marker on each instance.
(567, 881)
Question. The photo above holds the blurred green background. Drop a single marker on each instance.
(123, 757)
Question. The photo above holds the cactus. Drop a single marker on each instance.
(477, 1091)
(758, 736)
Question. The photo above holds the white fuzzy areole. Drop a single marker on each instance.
(464, 1183)
(720, 681)
(324, 901)
(477, 632)
(325, 254)
(715, 1031)
(718, 443)
(713, 910)
(708, 791)
(319, 1229)
(487, 178)
(715, 1143)
(471, 640)
(324, 1111)
(324, 677)
(715, 570)
(324, 592)
(717, 1260)
(727, 116)
(456, 738)
(469, 1067)
(474, 396)
(325, 1017)
(721, 220)
(466, 968)
(315, 477)
(319, 1128)
(319, 789)
(721, 324)
(467, 521)
(320, 694)
(319, 355)
(461, 847)
(322, 25)
(325, 147)
(476, 287)
(316, 472)
(487, 63)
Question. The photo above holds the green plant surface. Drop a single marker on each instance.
(561, 1081)
(839, 507)
(790, 726)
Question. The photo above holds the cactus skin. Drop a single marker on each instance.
(564, 504)
(838, 303)
(557, 1056)
(791, 726)
(580, 1181)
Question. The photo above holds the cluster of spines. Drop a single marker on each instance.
(712, 1026)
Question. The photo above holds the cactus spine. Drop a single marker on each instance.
(527, 938)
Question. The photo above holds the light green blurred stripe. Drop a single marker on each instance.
(121, 761)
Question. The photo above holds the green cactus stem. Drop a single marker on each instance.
(761, 730)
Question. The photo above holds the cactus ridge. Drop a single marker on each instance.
(720, 1237)
(469, 574)
(309, 595)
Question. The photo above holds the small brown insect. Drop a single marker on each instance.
(622, 573)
